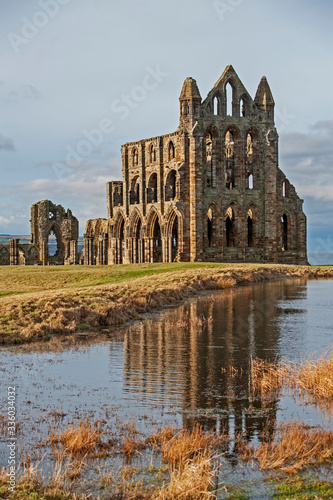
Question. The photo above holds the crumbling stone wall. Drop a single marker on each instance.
(210, 191)
(45, 218)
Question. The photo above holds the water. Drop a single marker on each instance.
(175, 368)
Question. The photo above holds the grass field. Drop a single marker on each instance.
(37, 302)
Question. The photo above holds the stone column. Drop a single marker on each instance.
(43, 253)
(73, 253)
(14, 252)
(91, 256)
(151, 250)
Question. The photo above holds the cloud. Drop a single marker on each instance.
(82, 189)
(6, 143)
(308, 159)
(25, 92)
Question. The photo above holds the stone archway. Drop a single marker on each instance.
(47, 218)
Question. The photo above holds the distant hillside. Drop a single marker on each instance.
(4, 240)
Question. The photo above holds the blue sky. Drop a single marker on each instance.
(68, 65)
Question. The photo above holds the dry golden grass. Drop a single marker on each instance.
(294, 446)
(188, 445)
(131, 446)
(315, 378)
(267, 378)
(312, 379)
(63, 300)
(190, 455)
(84, 438)
(194, 481)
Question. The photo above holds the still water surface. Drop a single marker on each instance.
(174, 367)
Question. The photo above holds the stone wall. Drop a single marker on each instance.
(46, 218)
(210, 191)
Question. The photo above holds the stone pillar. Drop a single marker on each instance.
(90, 255)
(44, 253)
(112, 252)
(141, 250)
(135, 257)
(146, 250)
(164, 250)
(14, 252)
(151, 250)
(170, 248)
(73, 253)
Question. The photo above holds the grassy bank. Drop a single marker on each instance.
(37, 302)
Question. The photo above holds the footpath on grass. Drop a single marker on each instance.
(37, 303)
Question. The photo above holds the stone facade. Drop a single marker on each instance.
(46, 218)
(210, 191)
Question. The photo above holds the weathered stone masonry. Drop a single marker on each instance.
(210, 191)
(46, 219)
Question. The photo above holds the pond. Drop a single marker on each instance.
(184, 365)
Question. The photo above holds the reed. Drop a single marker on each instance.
(132, 446)
(83, 438)
(312, 379)
(189, 445)
(294, 446)
(194, 481)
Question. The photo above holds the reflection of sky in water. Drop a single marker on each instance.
(172, 362)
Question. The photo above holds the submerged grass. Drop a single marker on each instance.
(293, 446)
(58, 300)
(310, 379)
(83, 438)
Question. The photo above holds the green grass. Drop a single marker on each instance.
(22, 279)
(303, 488)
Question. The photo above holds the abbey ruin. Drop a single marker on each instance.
(210, 191)
(46, 219)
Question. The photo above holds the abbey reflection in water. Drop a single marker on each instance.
(184, 357)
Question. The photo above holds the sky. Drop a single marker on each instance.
(79, 78)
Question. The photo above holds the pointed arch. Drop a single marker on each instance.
(154, 233)
(210, 155)
(152, 188)
(119, 234)
(54, 250)
(244, 106)
(211, 226)
(136, 233)
(152, 215)
(134, 218)
(174, 235)
(233, 225)
(249, 179)
(252, 226)
(230, 93)
(119, 224)
(135, 190)
(231, 155)
(171, 151)
(135, 156)
(152, 154)
(170, 185)
(216, 104)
